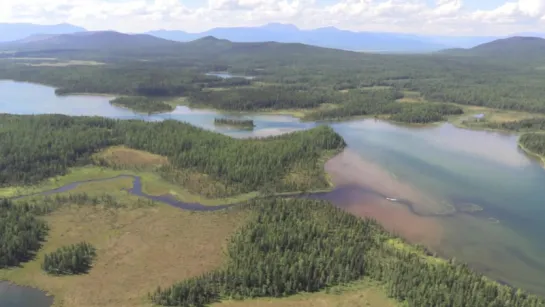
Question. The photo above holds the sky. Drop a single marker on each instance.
(443, 17)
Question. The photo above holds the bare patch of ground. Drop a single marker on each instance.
(127, 157)
(362, 294)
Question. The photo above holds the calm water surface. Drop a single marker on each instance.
(15, 296)
(451, 166)
(226, 75)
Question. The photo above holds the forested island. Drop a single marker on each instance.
(143, 104)
(241, 123)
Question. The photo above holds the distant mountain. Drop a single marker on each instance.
(329, 37)
(520, 48)
(460, 41)
(113, 46)
(100, 40)
(17, 31)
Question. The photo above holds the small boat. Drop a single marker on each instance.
(391, 199)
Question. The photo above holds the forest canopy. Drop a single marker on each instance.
(21, 233)
(143, 104)
(70, 259)
(292, 76)
(36, 147)
(295, 245)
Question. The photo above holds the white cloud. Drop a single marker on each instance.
(532, 8)
(443, 16)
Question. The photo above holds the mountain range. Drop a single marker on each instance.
(80, 39)
(329, 37)
(17, 31)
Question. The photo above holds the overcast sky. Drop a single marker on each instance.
(461, 17)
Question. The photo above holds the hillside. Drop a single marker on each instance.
(114, 46)
(100, 40)
(520, 48)
(17, 31)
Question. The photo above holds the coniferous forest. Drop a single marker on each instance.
(70, 260)
(534, 142)
(293, 77)
(21, 233)
(295, 245)
(143, 104)
(244, 123)
(38, 147)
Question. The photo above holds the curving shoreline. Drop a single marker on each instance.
(531, 153)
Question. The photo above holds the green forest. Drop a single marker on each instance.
(244, 123)
(294, 76)
(531, 124)
(143, 104)
(70, 259)
(260, 98)
(297, 245)
(21, 233)
(383, 102)
(37, 147)
(534, 142)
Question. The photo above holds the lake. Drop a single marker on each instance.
(227, 75)
(476, 196)
(16, 296)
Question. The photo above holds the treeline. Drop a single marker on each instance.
(295, 245)
(143, 104)
(425, 113)
(131, 79)
(234, 122)
(70, 260)
(265, 97)
(534, 142)
(37, 147)
(370, 102)
(530, 124)
(21, 233)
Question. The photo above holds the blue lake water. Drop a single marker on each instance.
(16, 296)
(438, 168)
(226, 75)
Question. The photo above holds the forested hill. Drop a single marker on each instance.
(515, 48)
(99, 40)
(102, 45)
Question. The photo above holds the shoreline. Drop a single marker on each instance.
(139, 111)
(390, 212)
(532, 154)
(295, 113)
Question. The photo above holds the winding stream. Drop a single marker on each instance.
(333, 196)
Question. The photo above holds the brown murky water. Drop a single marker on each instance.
(349, 169)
